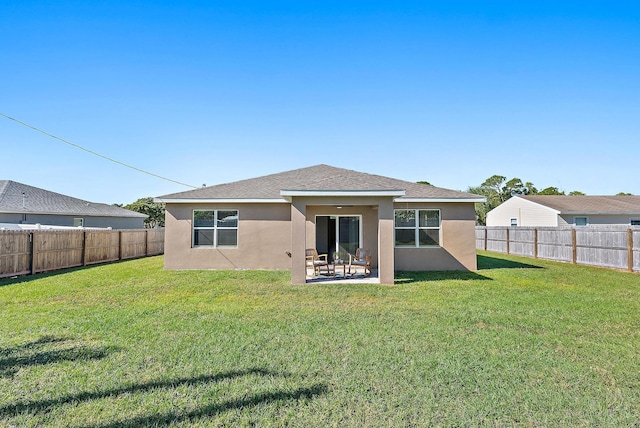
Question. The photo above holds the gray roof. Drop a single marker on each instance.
(323, 178)
(20, 198)
(588, 204)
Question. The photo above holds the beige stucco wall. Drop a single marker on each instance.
(264, 237)
(457, 241)
(267, 232)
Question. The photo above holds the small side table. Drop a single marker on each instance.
(344, 264)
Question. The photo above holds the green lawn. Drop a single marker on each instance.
(521, 342)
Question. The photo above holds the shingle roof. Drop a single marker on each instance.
(316, 178)
(588, 204)
(20, 198)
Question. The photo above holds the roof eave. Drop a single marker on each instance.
(637, 213)
(384, 193)
(441, 200)
(222, 200)
(66, 213)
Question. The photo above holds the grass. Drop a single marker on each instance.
(521, 342)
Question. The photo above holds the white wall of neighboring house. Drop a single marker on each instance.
(598, 219)
(525, 212)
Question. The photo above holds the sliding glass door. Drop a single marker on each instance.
(338, 233)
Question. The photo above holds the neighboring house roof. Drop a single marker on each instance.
(588, 204)
(20, 198)
(323, 180)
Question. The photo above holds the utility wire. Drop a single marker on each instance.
(95, 153)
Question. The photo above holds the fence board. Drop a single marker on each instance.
(522, 241)
(605, 246)
(133, 244)
(15, 253)
(497, 239)
(57, 250)
(155, 242)
(555, 244)
(23, 252)
(480, 234)
(636, 249)
(101, 246)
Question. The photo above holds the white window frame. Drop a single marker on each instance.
(581, 216)
(78, 222)
(215, 229)
(513, 222)
(418, 228)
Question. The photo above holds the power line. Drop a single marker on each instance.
(95, 153)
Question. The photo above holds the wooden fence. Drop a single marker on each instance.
(32, 251)
(605, 246)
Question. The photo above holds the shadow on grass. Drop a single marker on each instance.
(488, 262)
(46, 405)
(404, 277)
(484, 263)
(171, 418)
(28, 278)
(40, 352)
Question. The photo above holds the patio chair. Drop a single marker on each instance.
(362, 259)
(316, 261)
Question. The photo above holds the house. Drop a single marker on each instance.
(21, 204)
(561, 210)
(268, 222)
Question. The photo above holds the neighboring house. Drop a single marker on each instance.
(560, 210)
(268, 222)
(22, 204)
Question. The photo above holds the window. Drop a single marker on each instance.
(78, 222)
(215, 228)
(634, 222)
(581, 221)
(417, 228)
(514, 222)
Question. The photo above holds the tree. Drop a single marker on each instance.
(624, 194)
(514, 187)
(550, 191)
(497, 190)
(154, 210)
(424, 182)
(576, 193)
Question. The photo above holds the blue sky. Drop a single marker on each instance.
(217, 91)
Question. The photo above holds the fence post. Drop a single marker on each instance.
(535, 243)
(84, 248)
(630, 249)
(119, 245)
(486, 238)
(146, 242)
(574, 246)
(32, 253)
(507, 240)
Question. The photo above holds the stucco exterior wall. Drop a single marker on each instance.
(67, 220)
(457, 241)
(266, 232)
(526, 212)
(264, 238)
